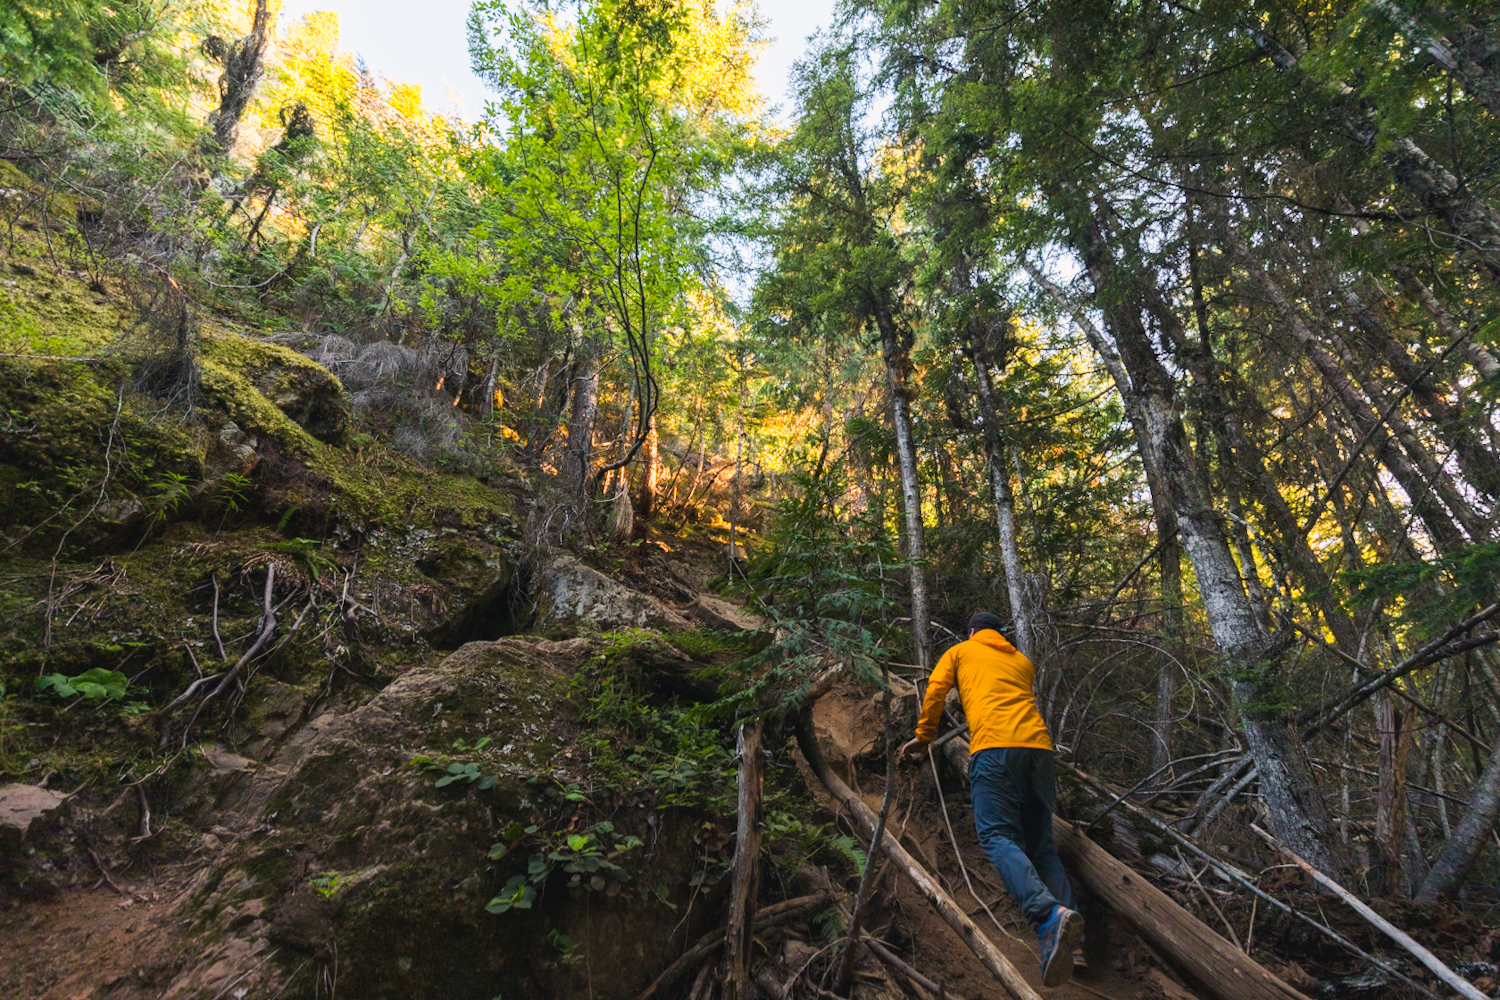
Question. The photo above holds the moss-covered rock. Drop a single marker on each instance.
(306, 392)
(348, 848)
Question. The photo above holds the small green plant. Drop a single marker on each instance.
(458, 770)
(233, 494)
(566, 945)
(466, 772)
(308, 552)
(327, 885)
(584, 857)
(516, 895)
(96, 684)
(167, 495)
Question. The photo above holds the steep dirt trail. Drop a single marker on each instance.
(847, 722)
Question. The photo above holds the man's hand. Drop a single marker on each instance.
(913, 750)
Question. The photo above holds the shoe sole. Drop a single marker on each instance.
(1060, 969)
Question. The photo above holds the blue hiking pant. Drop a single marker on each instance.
(1014, 790)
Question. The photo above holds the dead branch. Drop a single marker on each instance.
(746, 877)
(218, 642)
(105, 872)
(883, 953)
(705, 949)
(1390, 930)
(1446, 645)
(1237, 876)
(268, 626)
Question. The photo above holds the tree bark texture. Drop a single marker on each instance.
(650, 472)
(1458, 854)
(578, 459)
(1005, 501)
(746, 881)
(1170, 557)
(243, 61)
(898, 370)
(1394, 723)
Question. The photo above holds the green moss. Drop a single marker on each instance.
(253, 412)
(304, 390)
(65, 428)
(43, 312)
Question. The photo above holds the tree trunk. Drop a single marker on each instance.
(1286, 775)
(1005, 501)
(746, 881)
(243, 61)
(1440, 192)
(1445, 533)
(898, 368)
(1193, 947)
(1455, 427)
(1393, 723)
(1480, 357)
(578, 459)
(1468, 836)
(650, 472)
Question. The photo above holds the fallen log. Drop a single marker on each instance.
(1200, 953)
(967, 929)
(1396, 934)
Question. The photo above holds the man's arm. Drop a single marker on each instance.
(944, 676)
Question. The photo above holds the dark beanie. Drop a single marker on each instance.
(984, 619)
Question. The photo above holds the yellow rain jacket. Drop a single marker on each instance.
(994, 683)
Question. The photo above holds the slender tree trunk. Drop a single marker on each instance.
(1393, 723)
(1170, 557)
(734, 504)
(1456, 428)
(1439, 191)
(1291, 790)
(1005, 501)
(1483, 361)
(897, 369)
(578, 458)
(1445, 533)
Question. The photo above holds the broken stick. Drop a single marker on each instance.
(1390, 930)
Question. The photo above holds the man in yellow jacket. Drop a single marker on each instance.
(1012, 779)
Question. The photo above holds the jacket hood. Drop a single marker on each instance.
(994, 640)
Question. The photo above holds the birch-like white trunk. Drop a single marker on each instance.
(897, 365)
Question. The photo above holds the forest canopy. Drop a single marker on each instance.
(1169, 332)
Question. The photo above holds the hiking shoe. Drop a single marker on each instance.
(1059, 937)
(1080, 963)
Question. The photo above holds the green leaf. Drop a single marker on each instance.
(57, 684)
(498, 851)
